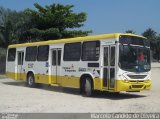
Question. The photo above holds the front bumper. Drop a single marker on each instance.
(122, 85)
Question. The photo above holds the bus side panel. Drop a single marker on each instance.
(39, 69)
(98, 83)
(10, 68)
(67, 81)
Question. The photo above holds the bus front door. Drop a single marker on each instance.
(56, 63)
(20, 64)
(109, 67)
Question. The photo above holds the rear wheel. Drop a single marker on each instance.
(31, 80)
(88, 87)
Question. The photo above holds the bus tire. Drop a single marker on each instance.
(88, 87)
(31, 80)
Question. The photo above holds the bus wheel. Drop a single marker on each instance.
(31, 80)
(88, 87)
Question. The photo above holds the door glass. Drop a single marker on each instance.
(105, 69)
(59, 57)
(112, 77)
(105, 59)
(112, 56)
(20, 58)
(54, 57)
(105, 77)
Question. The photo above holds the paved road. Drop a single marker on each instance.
(16, 97)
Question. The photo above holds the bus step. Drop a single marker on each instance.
(55, 84)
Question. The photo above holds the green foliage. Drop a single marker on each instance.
(50, 22)
(3, 52)
(150, 34)
(154, 39)
(54, 22)
(5, 27)
(158, 38)
(12, 26)
(130, 31)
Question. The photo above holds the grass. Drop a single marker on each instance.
(2, 76)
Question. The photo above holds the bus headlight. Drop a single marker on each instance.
(148, 78)
(122, 77)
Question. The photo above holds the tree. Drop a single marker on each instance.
(158, 46)
(54, 22)
(12, 25)
(150, 34)
(5, 27)
(21, 25)
(158, 38)
(50, 22)
(130, 31)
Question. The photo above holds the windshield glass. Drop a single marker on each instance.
(124, 39)
(134, 58)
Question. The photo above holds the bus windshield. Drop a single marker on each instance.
(134, 58)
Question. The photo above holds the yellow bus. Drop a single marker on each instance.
(109, 62)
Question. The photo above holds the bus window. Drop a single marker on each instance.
(11, 54)
(31, 53)
(72, 51)
(43, 52)
(90, 50)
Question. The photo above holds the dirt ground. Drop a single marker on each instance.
(16, 97)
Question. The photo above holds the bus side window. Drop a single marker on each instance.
(31, 53)
(43, 52)
(90, 51)
(11, 54)
(72, 51)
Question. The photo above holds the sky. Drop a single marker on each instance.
(105, 16)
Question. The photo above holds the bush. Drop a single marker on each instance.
(3, 53)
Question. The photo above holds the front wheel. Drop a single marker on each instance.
(31, 80)
(88, 87)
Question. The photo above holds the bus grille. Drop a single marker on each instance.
(135, 81)
(137, 76)
(137, 86)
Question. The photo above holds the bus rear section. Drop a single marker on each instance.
(11, 63)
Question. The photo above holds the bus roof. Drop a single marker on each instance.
(76, 39)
